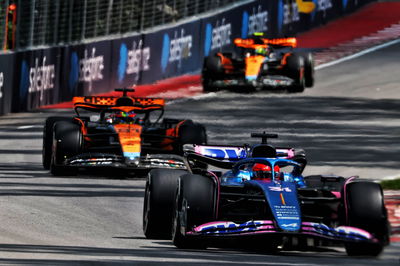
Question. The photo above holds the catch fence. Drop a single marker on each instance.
(54, 22)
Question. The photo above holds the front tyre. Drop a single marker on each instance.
(67, 142)
(366, 210)
(159, 202)
(48, 139)
(195, 205)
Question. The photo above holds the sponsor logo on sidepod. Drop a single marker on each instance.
(256, 22)
(217, 37)
(133, 61)
(176, 49)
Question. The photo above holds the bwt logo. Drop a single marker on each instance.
(257, 22)
(176, 49)
(217, 37)
(133, 61)
(41, 77)
(90, 68)
(1, 84)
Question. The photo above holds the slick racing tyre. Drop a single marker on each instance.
(212, 68)
(195, 204)
(295, 70)
(308, 69)
(366, 210)
(159, 202)
(48, 139)
(191, 133)
(67, 142)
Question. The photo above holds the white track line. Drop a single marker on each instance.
(366, 51)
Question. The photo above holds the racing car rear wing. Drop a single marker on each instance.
(250, 43)
(231, 153)
(110, 102)
(226, 156)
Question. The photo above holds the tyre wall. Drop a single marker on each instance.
(30, 79)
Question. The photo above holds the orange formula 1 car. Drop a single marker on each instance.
(123, 132)
(259, 63)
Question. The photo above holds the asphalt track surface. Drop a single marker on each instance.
(349, 124)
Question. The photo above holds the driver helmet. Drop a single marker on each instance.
(121, 118)
(264, 171)
(261, 51)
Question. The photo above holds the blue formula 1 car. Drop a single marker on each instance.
(262, 197)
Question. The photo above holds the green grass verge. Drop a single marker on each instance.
(391, 184)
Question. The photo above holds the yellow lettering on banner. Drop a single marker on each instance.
(305, 7)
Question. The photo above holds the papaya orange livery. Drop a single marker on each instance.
(121, 132)
(259, 63)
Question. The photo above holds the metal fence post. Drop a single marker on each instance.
(56, 21)
(32, 23)
(109, 11)
(96, 19)
(83, 34)
(71, 7)
(4, 26)
(142, 16)
(44, 20)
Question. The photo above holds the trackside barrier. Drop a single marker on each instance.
(30, 79)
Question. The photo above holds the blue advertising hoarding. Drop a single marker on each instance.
(46, 76)
(174, 51)
(130, 57)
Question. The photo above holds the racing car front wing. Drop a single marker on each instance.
(257, 227)
(111, 160)
(267, 81)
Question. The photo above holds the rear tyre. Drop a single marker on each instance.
(295, 70)
(195, 205)
(159, 202)
(366, 210)
(191, 133)
(67, 142)
(308, 69)
(48, 139)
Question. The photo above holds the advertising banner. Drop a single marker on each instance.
(38, 76)
(173, 51)
(129, 59)
(86, 69)
(6, 82)
(30, 79)
(219, 31)
(294, 16)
